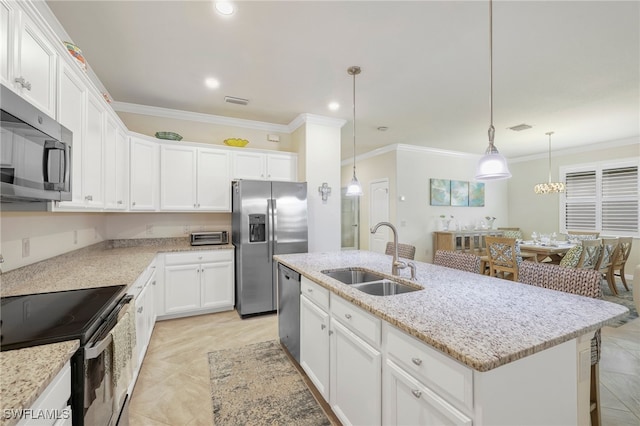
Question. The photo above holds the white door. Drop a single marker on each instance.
(379, 212)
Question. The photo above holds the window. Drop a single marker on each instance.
(602, 197)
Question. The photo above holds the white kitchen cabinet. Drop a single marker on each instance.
(194, 179)
(355, 377)
(53, 401)
(409, 402)
(93, 154)
(143, 185)
(116, 173)
(198, 282)
(28, 59)
(72, 100)
(314, 344)
(143, 291)
(265, 166)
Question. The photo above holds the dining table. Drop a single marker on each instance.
(553, 251)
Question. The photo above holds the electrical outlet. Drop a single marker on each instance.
(75, 237)
(26, 247)
(187, 230)
(149, 229)
(95, 233)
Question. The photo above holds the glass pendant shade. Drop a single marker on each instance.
(354, 189)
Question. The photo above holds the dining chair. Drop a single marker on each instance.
(624, 248)
(511, 232)
(572, 257)
(586, 234)
(406, 251)
(463, 261)
(583, 282)
(605, 261)
(590, 254)
(504, 257)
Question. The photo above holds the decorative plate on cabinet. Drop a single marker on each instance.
(169, 136)
(236, 142)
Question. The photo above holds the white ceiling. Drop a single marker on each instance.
(566, 66)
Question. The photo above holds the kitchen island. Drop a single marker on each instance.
(513, 340)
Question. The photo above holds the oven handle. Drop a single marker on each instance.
(94, 351)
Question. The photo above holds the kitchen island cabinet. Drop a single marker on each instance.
(493, 351)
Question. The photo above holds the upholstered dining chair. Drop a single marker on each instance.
(572, 257)
(605, 261)
(624, 248)
(590, 254)
(504, 258)
(406, 251)
(511, 233)
(583, 282)
(586, 234)
(457, 260)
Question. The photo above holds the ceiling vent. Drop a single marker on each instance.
(239, 101)
(519, 127)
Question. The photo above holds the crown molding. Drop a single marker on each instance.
(322, 120)
(580, 149)
(408, 148)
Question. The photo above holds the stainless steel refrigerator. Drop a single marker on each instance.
(268, 218)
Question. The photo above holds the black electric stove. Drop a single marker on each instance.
(43, 318)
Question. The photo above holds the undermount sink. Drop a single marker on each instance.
(369, 282)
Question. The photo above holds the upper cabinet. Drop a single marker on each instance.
(116, 163)
(265, 166)
(194, 179)
(93, 154)
(28, 59)
(143, 187)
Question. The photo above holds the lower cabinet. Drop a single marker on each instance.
(356, 378)
(145, 309)
(314, 344)
(51, 407)
(198, 282)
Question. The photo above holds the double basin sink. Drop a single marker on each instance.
(369, 282)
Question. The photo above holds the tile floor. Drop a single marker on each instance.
(173, 386)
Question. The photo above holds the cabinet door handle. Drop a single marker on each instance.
(416, 393)
(322, 327)
(140, 309)
(133, 203)
(347, 316)
(153, 282)
(120, 202)
(89, 198)
(22, 82)
(310, 290)
(416, 361)
(330, 332)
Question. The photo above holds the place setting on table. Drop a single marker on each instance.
(546, 246)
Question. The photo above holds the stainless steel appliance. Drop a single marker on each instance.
(268, 218)
(88, 315)
(209, 238)
(35, 154)
(289, 309)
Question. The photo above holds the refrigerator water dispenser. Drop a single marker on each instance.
(257, 230)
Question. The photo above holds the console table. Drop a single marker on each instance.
(464, 241)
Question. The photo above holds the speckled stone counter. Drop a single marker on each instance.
(25, 374)
(481, 321)
(115, 262)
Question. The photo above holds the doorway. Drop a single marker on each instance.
(350, 223)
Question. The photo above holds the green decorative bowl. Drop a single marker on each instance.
(169, 136)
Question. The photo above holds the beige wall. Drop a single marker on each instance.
(541, 213)
(194, 131)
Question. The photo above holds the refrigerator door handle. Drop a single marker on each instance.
(269, 228)
(274, 211)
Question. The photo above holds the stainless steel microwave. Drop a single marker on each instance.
(35, 153)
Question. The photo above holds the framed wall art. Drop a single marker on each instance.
(476, 194)
(459, 193)
(440, 192)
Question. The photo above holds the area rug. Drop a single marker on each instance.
(258, 385)
(624, 298)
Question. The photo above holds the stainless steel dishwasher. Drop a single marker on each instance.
(289, 309)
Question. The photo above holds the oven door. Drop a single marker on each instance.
(107, 372)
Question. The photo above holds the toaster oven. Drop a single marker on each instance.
(209, 238)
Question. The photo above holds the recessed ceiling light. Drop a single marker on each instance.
(211, 83)
(334, 106)
(224, 7)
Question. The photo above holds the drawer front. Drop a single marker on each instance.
(430, 367)
(362, 323)
(194, 257)
(317, 294)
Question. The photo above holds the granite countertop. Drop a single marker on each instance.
(20, 387)
(481, 321)
(27, 372)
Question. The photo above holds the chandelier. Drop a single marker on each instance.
(549, 187)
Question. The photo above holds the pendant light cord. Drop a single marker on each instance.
(354, 124)
(492, 129)
(549, 133)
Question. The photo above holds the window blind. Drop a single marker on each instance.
(620, 199)
(581, 200)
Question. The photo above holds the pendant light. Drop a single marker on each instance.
(492, 165)
(549, 187)
(354, 189)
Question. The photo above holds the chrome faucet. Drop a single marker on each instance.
(397, 263)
